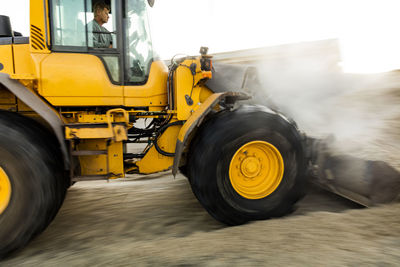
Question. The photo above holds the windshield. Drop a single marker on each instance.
(139, 46)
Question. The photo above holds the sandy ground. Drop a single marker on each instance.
(156, 221)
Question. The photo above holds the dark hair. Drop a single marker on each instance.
(100, 6)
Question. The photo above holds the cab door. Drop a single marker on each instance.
(145, 76)
(76, 72)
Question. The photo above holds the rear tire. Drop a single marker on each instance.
(31, 158)
(217, 145)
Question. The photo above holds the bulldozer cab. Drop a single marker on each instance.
(104, 62)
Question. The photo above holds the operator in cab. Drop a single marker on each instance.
(101, 36)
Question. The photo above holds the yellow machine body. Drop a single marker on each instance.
(79, 90)
(6, 52)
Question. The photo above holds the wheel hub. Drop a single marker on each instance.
(256, 170)
(250, 167)
(5, 190)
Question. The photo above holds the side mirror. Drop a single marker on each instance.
(151, 2)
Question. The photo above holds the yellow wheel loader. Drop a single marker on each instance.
(70, 109)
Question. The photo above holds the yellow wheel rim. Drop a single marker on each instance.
(5, 190)
(256, 170)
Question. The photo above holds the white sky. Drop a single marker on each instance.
(368, 30)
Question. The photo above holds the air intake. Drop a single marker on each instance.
(37, 41)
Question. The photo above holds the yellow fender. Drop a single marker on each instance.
(39, 106)
(195, 120)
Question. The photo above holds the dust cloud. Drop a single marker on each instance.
(357, 111)
(354, 116)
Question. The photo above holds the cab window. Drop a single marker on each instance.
(74, 23)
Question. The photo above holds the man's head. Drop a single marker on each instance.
(101, 10)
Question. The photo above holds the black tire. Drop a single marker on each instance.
(215, 145)
(32, 160)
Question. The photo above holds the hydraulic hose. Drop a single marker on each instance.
(159, 132)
